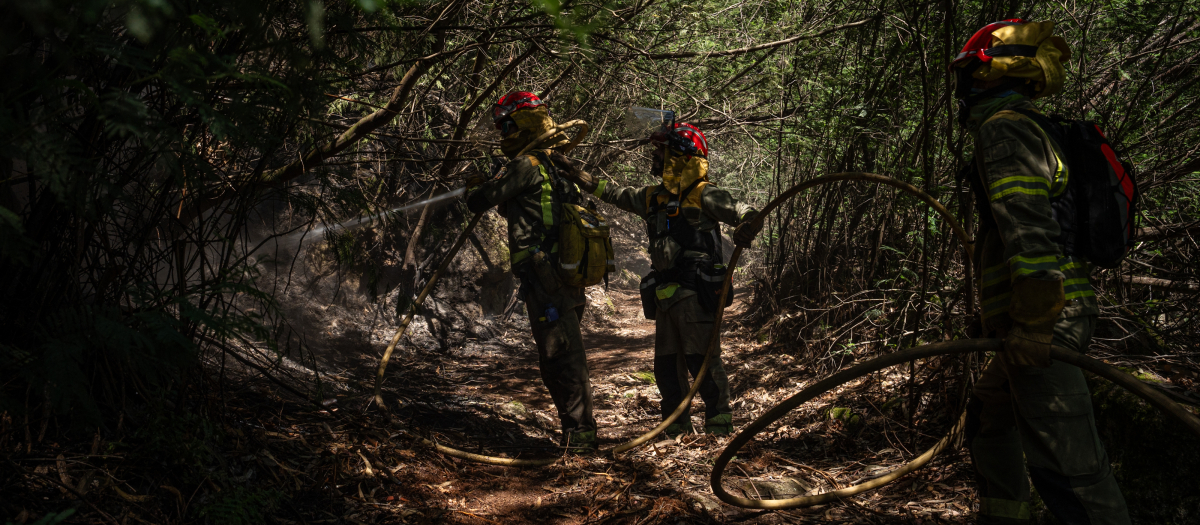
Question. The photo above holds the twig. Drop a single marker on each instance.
(743, 50)
(476, 516)
(360, 102)
(750, 480)
(64, 486)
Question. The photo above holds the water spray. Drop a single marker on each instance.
(290, 241)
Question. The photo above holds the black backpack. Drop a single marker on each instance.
(1098, 211)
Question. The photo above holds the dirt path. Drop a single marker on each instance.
(483, 393)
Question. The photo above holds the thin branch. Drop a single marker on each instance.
(750, 49)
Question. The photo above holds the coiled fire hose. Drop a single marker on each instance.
(1126, 381)
(1154, 397)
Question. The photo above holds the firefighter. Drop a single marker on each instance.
(680, 294)
(529, 191)
(1029, 417)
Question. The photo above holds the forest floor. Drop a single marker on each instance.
(259, 450)
(350, 464)
(267, 453)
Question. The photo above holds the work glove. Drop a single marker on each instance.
(1036, 302)
(476, 179)
(479, 177)
(745, 233)
(571, 170)
(1029, 345)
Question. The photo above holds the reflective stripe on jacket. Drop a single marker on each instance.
(528, 193)
(1022, 169)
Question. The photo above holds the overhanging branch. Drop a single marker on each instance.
(751, 49)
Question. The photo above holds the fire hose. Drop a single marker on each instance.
(1154, 397)
(1126, 381)
(838, 379)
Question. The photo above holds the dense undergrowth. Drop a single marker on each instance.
(158, 160)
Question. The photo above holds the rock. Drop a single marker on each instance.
(513, 409)
(783, 489)
(707, 503)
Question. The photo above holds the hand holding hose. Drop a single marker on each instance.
(476, 179)
(1034, 307)
(745, 232)
(571, 170)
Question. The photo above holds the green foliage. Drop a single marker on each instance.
(342, 245)
(644, 376)
(147, 345)
(53, 518)
(141, 144)
(14, 245)
(117, 122)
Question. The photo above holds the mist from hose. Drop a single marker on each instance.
(298, 238)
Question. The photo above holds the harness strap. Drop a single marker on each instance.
(553, 192)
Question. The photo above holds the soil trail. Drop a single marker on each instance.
(475, 385)
(620, 350)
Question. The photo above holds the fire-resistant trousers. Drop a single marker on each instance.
(562, 362)
(680, 342)
(1043, 417)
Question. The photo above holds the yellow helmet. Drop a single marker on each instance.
(1013, 48)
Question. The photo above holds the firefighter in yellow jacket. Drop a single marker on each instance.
(531, 193)
(682, 219)
(1026, 408)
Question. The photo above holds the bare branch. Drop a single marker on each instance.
(750, 49)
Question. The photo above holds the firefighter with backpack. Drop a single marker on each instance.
(558, 247)
(1035, 249)
(680, 294)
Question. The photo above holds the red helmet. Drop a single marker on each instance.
(512, 102)
(979, 46)
(684, 138)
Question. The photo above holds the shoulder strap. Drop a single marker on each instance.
(696, 184)
(656, 198)
(550, 199)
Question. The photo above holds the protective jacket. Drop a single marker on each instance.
(528, 191)
(1021, 170)
(710, 206)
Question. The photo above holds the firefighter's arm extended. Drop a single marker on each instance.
(1018, 168)
(517, 178)
(628, 198)
(722, 207)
